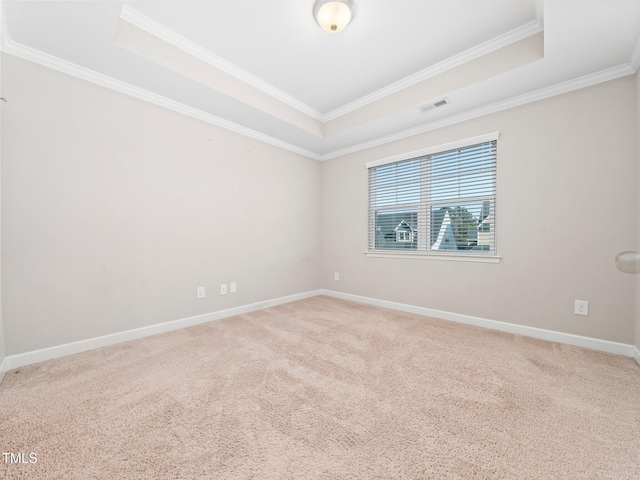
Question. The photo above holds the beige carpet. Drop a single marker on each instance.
(326, 389)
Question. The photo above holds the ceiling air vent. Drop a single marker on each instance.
(438, 103)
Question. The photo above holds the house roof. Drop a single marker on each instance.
(404, 225)
(437, 218)
(266, 70)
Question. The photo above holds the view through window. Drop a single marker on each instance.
(442, 202)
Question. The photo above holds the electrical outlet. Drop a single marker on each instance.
(233, 287)
(223, 289)
(581, 307)
(200, 292)
(336, 276)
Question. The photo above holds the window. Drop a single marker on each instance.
(441, 201)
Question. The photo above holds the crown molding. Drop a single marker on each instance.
(88, 75)
(558, 89)
(69, 68)
(496, 43)
(145, 23)
(41, 58)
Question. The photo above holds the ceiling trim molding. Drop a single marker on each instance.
(145, 23)
(92, 76)
(154, 28)
(558, 89)
(9, 46)
(496, 43)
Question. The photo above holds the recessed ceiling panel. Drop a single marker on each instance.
(279, 42)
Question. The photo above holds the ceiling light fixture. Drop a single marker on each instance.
(333, 15)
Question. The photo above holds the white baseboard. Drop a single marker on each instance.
(28, 358)
(553, 336)
(36, 356)
(3, 369)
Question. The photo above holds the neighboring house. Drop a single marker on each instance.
(404, 232)
(484, 234)
(394, 230)
(451, 228)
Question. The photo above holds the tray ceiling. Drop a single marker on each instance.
(265, 69)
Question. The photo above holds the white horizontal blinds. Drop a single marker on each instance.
(394, 199)
(441, 202)
(462, 199)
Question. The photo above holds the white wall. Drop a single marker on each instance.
(637, 297)
(566, 184)
(2, 342)
(115, 210)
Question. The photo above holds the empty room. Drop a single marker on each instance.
(320, 239)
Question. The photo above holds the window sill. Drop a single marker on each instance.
(435, 256)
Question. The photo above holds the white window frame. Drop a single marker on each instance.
(423, 211)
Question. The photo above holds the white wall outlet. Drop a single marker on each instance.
(336, 276)
(233, 287)
(581, 307)
(223, 289)
(200, 292)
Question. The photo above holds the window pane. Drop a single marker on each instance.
(461, 186)
(461, 227)
(396, 229)
(438, 202)
(397, 183)
(467, 172)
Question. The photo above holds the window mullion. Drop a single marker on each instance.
(450, 194)
(423, 209)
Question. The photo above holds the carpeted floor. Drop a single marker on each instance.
(325, 389)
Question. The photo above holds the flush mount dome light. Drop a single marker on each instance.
(333, 15)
